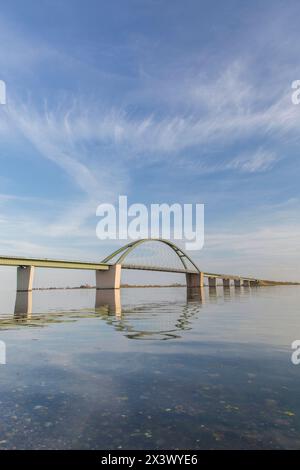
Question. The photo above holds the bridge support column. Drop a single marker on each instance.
(194, 280)
(226, 282)
(110, 279)
(246, 283)
(237, 283)
(25, 278)
(212, 282)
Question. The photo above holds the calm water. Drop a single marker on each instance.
(151, 369)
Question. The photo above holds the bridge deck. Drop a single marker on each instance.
(51, 263)
(183, 271)
(65, 264)
(230, 276)
(156, 268)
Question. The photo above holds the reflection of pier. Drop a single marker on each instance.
(23, 305)
(110, 299)
(196, 294)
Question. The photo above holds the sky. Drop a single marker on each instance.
(164, 102)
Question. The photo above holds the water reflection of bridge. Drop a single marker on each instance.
(141, 321)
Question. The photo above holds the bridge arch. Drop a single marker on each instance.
(124, 251)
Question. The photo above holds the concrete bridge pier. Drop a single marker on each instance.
(25, 278)
(194, 280)
(237, 283)
(212, 282)
(226, 283)
(110, 279)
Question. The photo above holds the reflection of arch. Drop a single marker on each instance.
(124, 322)
(125, 250)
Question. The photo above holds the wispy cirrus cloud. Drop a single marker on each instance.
(257, 162)
(55, 138)
(220, 119)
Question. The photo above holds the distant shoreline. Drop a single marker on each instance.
(134, 286)
(124, 286)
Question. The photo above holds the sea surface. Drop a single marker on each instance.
(150, 368)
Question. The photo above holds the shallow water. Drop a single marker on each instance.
(153, 368)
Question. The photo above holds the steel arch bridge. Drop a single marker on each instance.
(187, 264)
(194, 276)
(108, 271)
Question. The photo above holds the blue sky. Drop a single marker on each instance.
(163, 101)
